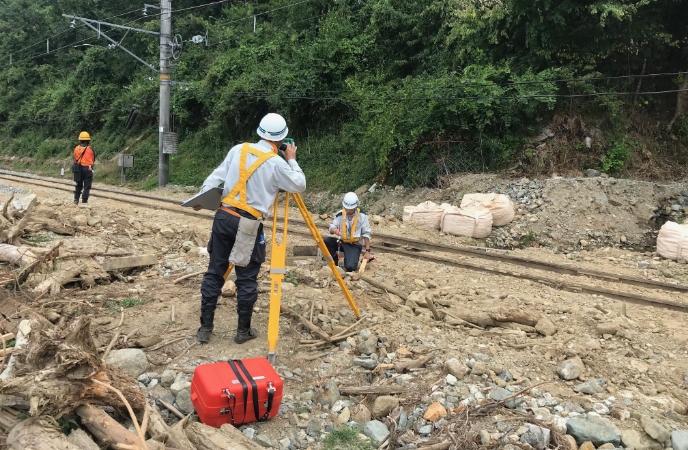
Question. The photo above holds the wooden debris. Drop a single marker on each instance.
(39, 434)
(116, 336)
(145, 342)
(128, 262)
(227, 437)
(307, 323)
(372, 390)
(403, 367)
(191, 275)
(385, 287)
(172, 409)
(82, 440)
(18, 256)
(104, 428)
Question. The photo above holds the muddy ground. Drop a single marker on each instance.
(638, 352)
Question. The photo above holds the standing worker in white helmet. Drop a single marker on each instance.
(252, 175)
(351, 226)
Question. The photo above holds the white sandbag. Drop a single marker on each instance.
(473, 221)
(500, 205)
(426, 214)
(672, 241)
(446, 206)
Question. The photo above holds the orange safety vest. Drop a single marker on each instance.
(351, 239)
(239, 189)
(88, 159)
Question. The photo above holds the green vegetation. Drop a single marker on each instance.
(125, 303)
(394, 91)
(346, 439)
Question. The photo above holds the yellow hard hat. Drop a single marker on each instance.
(84, 136)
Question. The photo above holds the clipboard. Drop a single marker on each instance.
(210, 199)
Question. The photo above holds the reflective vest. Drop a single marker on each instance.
(88, 158)
(239, 189)
(351, 239)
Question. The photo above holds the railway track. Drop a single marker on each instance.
(417, 249)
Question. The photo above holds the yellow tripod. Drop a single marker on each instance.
(278, 264)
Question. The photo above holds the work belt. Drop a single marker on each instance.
(236, 212)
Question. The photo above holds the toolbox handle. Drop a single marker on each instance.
(230, 408)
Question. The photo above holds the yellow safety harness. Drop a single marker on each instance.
(244, 174)
(352, 239)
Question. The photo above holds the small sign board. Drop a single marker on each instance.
(169, 143)
(125, 160)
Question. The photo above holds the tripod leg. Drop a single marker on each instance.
(326, 253)
(278, 264)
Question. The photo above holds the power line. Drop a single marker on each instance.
(60, 119)
(63, 32)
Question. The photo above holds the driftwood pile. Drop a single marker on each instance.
(56, 373)
(41, 271)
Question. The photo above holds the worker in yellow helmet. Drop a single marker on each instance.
(84, 158)
(252, 174)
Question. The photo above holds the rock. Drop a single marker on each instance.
(587, 446)
(285, 444)
(329, 394)
(183, 401)
(264, 441)
(588, 142)
(499, 393)
(229, 289)
(131, 360)
(479, 368)
(168, 377)
(360, 414)
(435, 412)
(313, 428)
(571, 369)
(366, 363)
(456, 368)
(94, 221)
(182, 382)
(167, 232)
(620, 413)
(384, 404)
(545, 327)
(369, 346)
(571, 441)
(536, 436)
(80, 220)
(592, 173)
(654, 429)
(590, 387)
(679, 440)
(608, 328)
(584, 243)
(22, 203)
(187, 246)
(485, 437)
(376, 431)
(144, 378)
(344, 416)
(425, 430)
(594, 429)
(249, 432)
(632, 438)
(450, 380)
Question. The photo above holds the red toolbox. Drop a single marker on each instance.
(236, 392)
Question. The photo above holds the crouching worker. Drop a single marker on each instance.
(351, 226)
(252, 175)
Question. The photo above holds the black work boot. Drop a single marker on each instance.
(203, 333)
(244, 331)
(76, 201)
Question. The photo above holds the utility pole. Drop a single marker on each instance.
(165, 59)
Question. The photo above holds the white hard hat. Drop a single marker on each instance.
(273, 127)
(350, 200)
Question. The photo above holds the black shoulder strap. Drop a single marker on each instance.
(338, 214)
(244, 386)
(94, 153)
(82, 156)
(254, 388)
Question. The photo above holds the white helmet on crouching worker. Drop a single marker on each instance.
(350, 201)
(273, 127)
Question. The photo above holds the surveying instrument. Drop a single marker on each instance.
(278, 264)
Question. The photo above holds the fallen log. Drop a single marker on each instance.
(37, 225)
(128, 262)
(307, 323)
(403, 367)
(145, 342)
(54, 283)
(82, 440)
(105, 429)
(40, 433)
(18, 256)
(513, 315)
(8, 420)
(372, 390)
(385, 287)
(227, 437)
(176, 435)
(12, 235)
(190, 275)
